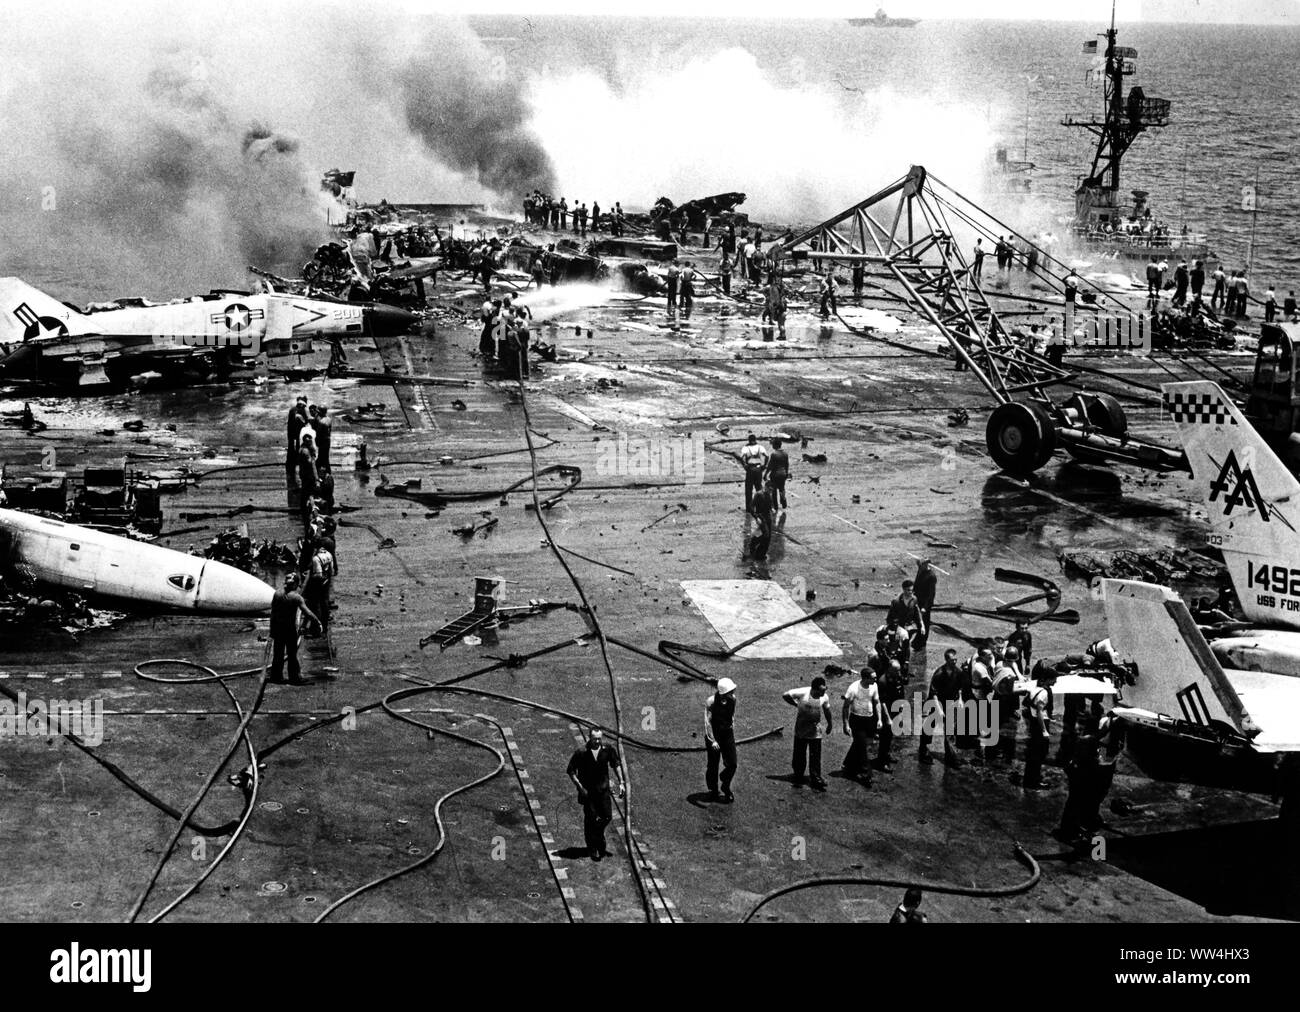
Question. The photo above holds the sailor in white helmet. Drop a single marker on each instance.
(720, 739)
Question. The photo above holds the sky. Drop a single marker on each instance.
(1186, 11)
(1281, 12)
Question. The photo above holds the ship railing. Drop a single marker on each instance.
(1142, 240)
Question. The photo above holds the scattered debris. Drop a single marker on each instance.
(469, 530)
(234, 547)
(1162, 565)
(681, 507)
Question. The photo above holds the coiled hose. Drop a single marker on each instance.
(1022, 855)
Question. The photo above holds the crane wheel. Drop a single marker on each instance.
(1048, 428)
(1018, 440)
(1107, 414)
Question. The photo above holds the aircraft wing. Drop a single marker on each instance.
(414, 267)
(1072, 685)
(1274, 701)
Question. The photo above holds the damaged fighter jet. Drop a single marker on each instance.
(133, 341)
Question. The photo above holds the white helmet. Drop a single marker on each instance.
(725, 685)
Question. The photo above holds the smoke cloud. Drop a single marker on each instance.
(475, 120)
(801, 152)
(160, 150)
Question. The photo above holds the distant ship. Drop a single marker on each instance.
(882, 20)
(1102, 219)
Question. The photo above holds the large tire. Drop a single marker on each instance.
(1047, 426)
(1015, 438)
(1107, 414)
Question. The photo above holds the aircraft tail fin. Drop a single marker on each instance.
(26, 313)
(1251, 499)
(1177, 673)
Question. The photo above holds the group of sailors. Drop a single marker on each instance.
(1143, 232)
(997, 672)
(307, 592)
(544, 211)
(504, 338)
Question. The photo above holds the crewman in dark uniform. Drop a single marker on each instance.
(674, 274)
(762, 508)
(926, 585)
(909, 912)
(308, 476)
(906, 611)
(323, 428)
(293, 431)
(687, 289)
(590, 770)
(1023, 640)
(945, 687)
(891, 685)
(720, 740)
(285, 606)
(778, 472)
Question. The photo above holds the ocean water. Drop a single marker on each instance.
(806, 117)
(966, 86)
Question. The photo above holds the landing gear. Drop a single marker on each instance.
(1021, 437)
(1101, 411)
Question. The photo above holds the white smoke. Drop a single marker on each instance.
(720, 122)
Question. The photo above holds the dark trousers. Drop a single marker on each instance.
(318, 600)
(726, 283)
(949, 748)
(597, 811)
(858, 758)
(1080, 779)
(1006, 746)
(919, 638)
(807, 753)
(291, 466)
(672, 295)
(282, 647)
(753, 480)
(724, 754)
(828, 300)
(304, 504)
(885, 749)
(1035, 753)
(1270, 310)
(1098, 787)
(778, 488)
(688, 303)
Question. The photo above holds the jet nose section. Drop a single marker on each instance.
(388, 321)
(231, 591)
